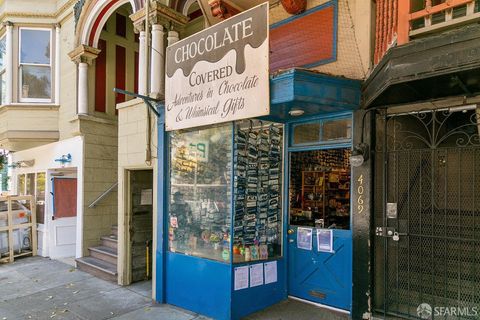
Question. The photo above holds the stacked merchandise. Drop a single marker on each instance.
(257, 193)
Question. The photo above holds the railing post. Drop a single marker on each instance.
(403, 29)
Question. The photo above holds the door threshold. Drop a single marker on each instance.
(319, 305)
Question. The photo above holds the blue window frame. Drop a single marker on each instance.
(325, 131)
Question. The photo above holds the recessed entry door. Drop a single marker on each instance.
(63, 223)
(319, 236)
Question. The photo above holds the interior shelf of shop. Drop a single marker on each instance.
(197, 185)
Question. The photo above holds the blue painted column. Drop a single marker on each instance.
(162, 199)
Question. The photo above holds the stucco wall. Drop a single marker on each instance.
(353, 39)
(132, 146)
(100, 173)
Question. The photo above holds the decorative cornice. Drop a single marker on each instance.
(84, 53)
(77, 11)
(294, 6)
(54, 15)
(221, 10)
(160, 14)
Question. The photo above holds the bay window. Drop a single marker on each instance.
(3, 82)
(35, 65)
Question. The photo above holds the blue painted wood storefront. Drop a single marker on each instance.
(206, 286)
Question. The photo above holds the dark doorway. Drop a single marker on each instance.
(141, 234)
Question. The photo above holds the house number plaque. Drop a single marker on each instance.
(360, 191)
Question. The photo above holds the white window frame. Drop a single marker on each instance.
(20, 64)
(4, 69)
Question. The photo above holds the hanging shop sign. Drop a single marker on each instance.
(220, 74)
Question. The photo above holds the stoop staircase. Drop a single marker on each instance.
(102, 261)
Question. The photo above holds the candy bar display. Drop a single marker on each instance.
(257, 189)
(320, 188)
(199, 212)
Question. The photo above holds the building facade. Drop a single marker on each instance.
(369, 150)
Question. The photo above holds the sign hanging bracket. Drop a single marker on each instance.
(152, 103)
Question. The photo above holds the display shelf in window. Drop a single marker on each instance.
(320, 195)
(200, 208)
(257, 191)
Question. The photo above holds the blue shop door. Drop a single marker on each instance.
(313, 275)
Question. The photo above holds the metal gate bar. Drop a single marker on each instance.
(433, 183)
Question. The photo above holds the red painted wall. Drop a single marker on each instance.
(120, 72)
(306, 40)
(101, 77)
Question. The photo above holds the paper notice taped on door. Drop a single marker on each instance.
(304, 238)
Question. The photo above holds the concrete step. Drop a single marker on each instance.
(114, 230)
(99, 268)
(110, 241)
(107, 254)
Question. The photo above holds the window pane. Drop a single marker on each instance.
(21, 185)
(3, 88)
(306, 133)
(337, 129)
(40, 196)
(36, 82)
(35, 46)
(3, 51)
(199, 209)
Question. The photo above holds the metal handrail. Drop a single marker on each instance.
(103, 195)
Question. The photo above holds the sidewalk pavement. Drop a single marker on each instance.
(39, 288)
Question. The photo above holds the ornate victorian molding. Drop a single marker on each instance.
(222, 9)
(77, 11)
(84, 53)
(34, 15)
(294, 6)
(159, 14)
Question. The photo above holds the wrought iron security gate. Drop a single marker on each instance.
(427, 215)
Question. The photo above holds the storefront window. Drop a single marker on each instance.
(257, 195)
(320, 188)
(200, 192)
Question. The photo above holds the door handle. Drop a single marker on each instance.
(291, 231)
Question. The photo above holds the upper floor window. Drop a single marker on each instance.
(35, 65)
(3, 82)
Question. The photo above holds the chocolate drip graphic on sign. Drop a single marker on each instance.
(232, 34)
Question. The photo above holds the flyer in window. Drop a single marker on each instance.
(304, 238)
(270, 272)
(325, 240)
(256, 275)
(241, 278)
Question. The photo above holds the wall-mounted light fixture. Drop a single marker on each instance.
(360, 154)
(22, 164)
(296, 112)
(64, 159)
